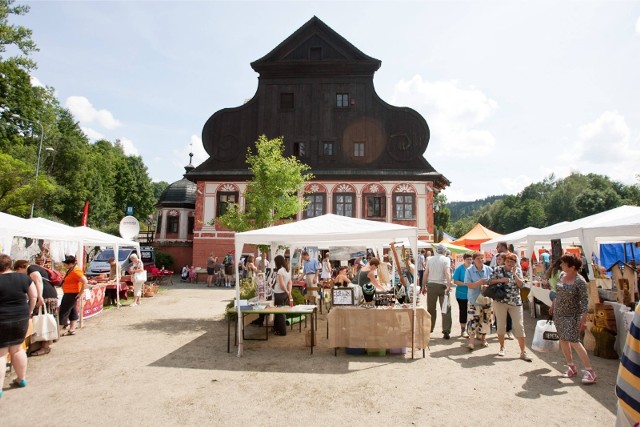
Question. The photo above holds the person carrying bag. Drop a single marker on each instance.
(45, 326)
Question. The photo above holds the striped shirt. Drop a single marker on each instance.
(628, 382)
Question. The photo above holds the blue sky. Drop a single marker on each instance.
(512, 90)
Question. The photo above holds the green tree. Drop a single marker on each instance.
(18, 188)
(15, 36)
(158, 189)
(441, 217)
(272, 193)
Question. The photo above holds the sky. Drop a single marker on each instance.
(513, 91)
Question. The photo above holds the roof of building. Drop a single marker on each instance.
(180, 194)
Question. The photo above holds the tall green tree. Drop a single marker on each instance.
(15, 36)
(272, 193)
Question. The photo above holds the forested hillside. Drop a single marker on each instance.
(544, 203)
(462, 209)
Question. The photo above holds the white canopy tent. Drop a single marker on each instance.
(516, 238)
(330, 230)
(618, 224)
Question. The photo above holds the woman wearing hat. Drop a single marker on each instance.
(73, 287)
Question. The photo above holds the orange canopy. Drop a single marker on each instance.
(475, 237)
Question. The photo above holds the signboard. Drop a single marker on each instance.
(129, 227)
(342, 296)
(128, 210)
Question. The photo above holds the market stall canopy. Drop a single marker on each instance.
(331, 229)
(476, 236)
(9, 224)
(621, 224)
(452, 247)
(515, 238)
(335, 229)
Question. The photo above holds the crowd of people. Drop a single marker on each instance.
(490, 294)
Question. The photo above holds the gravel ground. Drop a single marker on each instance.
(166, 363)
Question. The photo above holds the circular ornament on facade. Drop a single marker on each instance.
(227, 148)
(401, 148)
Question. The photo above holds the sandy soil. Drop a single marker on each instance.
(166, 363)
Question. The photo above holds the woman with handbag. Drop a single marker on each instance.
(510, 302)
(15, 311)
(47, 297)
(138, 276)
(569, 311)
(479, 307)
(73, 288)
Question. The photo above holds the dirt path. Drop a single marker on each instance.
(166, 363)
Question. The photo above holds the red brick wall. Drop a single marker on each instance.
(181, 255)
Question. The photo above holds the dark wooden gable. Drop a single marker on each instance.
(299, 82)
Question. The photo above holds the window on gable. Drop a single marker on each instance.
(315, 206)
(375, 206)
(358, 149)
(286, 101)
(327, 148)
(342, 100)
(344, 204)
(190, 224)
(300, 149)
(403, 206)
(159, 226)
(224, 199)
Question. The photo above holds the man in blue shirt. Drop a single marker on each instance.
(546, 259)
(310, 269)
(461, 291)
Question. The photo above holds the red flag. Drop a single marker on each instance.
(85, 214)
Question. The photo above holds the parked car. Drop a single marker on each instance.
(100, 264)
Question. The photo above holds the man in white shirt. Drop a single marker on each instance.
(437, 277)
(421, 266)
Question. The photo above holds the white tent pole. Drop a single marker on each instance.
(116, 253)
(413, 241)
(236, 256)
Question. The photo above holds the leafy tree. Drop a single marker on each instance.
(441, 217)
(272, 193)
(18, 188)
(158, 188)
(15, 35)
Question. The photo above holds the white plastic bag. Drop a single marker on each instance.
(445, 304)
(45, 327)
(545, 329)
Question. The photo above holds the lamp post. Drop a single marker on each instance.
(33, 203)
(436, 209)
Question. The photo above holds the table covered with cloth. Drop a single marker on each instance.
(382, 327)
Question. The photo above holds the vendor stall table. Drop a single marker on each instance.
(539, 294)
(382, 327)
(295, 310)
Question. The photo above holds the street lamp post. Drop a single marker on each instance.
(436, 209)
(33, 203)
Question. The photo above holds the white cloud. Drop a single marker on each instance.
(454, 113)
(604, 146)
(86, 113)
(638, 25)
(181, 155)
(35, 82)
(92, 134)
(128, 147)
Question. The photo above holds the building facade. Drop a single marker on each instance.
(316, 90)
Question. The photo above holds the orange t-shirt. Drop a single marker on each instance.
(72, 282)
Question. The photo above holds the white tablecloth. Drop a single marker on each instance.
(540, 294)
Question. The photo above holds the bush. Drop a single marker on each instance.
(164, 259)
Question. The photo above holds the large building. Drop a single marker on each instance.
(316, 90)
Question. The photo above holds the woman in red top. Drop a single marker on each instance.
(73, 287)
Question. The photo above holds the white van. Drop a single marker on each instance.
(100, 263)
